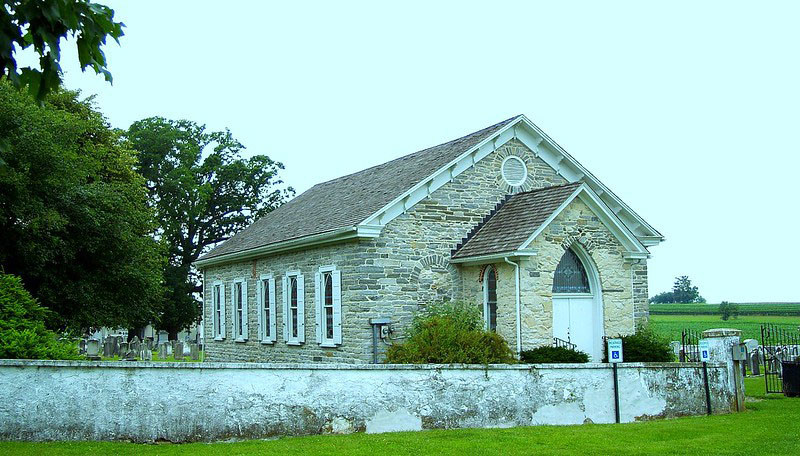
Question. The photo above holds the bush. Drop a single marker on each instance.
(450, 333)
(644, 346)
(22, 331)
(548, 354)
(728, 310)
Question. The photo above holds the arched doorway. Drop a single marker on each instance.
(577, 303)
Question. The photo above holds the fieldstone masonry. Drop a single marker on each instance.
(408, 266)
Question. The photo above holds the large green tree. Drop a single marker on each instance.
(74, 220)
(202, 192)
(42, 24)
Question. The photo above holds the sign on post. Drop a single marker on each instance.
(704, 351)
(614, 350)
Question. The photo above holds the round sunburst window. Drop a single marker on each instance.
(514, 171)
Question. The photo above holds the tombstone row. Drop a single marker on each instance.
(136, 349)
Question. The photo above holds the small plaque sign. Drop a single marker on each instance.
(704, 351)
(614, 350)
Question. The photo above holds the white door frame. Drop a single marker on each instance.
(596, 290)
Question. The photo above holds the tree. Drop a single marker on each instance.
(74, 221)
(202, 192)
(684, 291)
(23, 334)
(728, 310)
(42, 24)
(663, 298)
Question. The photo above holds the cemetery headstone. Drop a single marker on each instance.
(108, 347)
(194, 351)
(130, 355)
(178, 351)
(93, 349)
(82, 346)
(123, 349)
(162, 351)
(755, 362)
(146, 354)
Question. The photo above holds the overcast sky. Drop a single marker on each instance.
(688, 111)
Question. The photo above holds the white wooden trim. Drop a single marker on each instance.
(266, 309)
(336, 276)
(244, 324)
(218, 335)
(301, 309)
(285, 318)
(318, 291)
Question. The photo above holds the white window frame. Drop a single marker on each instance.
(287, 314)
(267, 333)
(486, 312)
(218, 318)
(319, 291)
(234, 308)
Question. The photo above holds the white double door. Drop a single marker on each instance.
(574, 319)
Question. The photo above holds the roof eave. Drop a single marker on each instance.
(339, 235)
(488, 258)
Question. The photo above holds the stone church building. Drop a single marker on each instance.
(503, 218)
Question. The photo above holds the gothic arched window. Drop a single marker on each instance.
(570, 276)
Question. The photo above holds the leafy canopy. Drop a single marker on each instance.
(22, 326)
(202, 192)
(74, 222)
(42, 24)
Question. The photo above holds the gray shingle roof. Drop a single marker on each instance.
(515, 221)
(349, 200)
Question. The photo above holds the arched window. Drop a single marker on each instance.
(570, 276)
(490, 298)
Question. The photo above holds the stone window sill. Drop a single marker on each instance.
(328, 345)
(267, 342)
(219, 338)
(293, 342)
(240, 341)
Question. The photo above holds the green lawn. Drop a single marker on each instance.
(745, 308)
(769, 426)
(670, 326)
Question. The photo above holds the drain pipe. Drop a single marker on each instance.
(519, 312)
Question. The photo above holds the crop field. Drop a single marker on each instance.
(745, 308)
(670, 326)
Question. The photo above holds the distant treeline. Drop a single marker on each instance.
(745, 308)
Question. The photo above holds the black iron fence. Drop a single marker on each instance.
(690, 351)
(778, 344)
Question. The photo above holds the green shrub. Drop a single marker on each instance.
(644, 346)
(548, 354)
(450, 333)
(22, 331)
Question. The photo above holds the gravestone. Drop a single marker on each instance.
(123, 349)
(82, 347)
(148, 341)
(145, 354)
(130, 356)
(194, 351)
(162, 350)
(108, 347)
(178, 351)
(755, 362)
(751, 344)
(93, 350)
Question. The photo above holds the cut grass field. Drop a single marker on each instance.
(769, 426)
(745, 308)
(670, 326)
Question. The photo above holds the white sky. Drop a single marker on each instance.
(688, 111)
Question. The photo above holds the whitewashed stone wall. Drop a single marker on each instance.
(408, 267)
(141, 401)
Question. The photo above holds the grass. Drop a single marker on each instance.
(745, 308)
(670, 326)
(169, 359)
(769, 426)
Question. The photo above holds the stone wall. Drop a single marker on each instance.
(145, 402)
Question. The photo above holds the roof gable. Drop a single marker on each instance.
(515, 225)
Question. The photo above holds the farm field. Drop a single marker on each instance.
(770, 421)
(670, 326)
(751, 308)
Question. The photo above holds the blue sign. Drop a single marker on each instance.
(615, 350)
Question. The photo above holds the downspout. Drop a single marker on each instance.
(519, 312)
